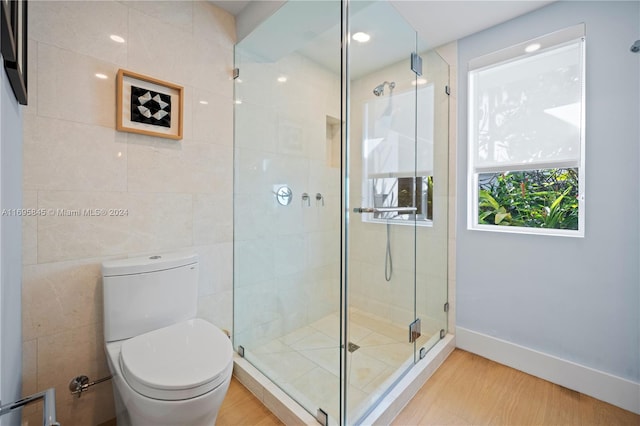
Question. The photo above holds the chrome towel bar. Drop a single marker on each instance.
(400, 210)
(48, 410)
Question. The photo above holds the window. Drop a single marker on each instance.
(526, 137)
(397, 165)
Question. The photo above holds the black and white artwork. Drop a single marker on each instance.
(150, 107)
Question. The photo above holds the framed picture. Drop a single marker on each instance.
(148, 106)
(16, 68)
(6, 28)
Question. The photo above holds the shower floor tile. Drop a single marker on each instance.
(306, 362)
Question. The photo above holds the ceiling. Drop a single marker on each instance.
(440, 22)
(232, 6)
(317, 34)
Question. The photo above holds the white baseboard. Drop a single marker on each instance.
(615, 390)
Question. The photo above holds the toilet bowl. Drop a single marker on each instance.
(172, 369)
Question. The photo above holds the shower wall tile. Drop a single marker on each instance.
(174, 195)
(147, 35)
(255, 124)
(71, 25)
(293, 135)
(290, 254)
(177, 15)
(258, 82)
(290, 293)
(213, 24)
(60, 296)
(29, 229)
(213, 218)
(65, 155)
(69, 90)
(254, 172)
(216, 268)
(215, 72)
(212, 114)
(66, 234)
(187, 166)
(290, 251)
(254, 261)
(29, 367)
(255, 215)
(218, 309)
(67, 354)
(160, 221)
(323, 179)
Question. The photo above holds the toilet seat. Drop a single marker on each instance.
(177, 362)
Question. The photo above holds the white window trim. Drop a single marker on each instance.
(555, 39)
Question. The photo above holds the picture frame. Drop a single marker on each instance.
(148, 106)
(16, 25)
(8, 42)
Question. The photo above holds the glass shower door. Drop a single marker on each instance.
(287, 202)
(432, 241)
(386, 206)
(340, 202)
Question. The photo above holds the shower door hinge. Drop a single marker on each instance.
(236, 73)
(447, 90)
(416, 63)
(414, 330)
(442, 333)
(446, 307)
(241, 351)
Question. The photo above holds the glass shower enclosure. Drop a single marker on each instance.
(340, 202)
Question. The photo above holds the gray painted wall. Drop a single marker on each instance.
(574, 298)
(11, 249)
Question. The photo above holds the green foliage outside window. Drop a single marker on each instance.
(545, 198)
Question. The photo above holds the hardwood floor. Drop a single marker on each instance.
(242, 408)
(467, 390)
(470, 390)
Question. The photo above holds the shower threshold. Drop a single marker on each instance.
(290, 412)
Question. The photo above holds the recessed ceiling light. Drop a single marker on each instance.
(116, 38)
(361, 37)
(532, 47)
(282, 79)
(101, 76)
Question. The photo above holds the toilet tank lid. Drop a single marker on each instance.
(144, 264)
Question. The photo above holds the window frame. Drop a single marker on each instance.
(515, 53)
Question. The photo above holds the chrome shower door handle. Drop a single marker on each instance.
(400, 210)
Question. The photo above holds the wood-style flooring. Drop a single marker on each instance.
(241, 408)
(467, 390)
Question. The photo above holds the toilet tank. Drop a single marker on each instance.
(146, 293)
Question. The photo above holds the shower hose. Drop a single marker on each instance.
(388, 262)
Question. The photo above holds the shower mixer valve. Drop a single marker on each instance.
(284, 195)
(319, 198)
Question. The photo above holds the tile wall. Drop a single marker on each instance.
(287, 258)
(177, 194)
(370, 292)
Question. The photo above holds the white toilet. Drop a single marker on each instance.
(169, 368)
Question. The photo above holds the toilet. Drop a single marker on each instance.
(169, 368)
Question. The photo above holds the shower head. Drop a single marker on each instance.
(635, 47)
(379, 89)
